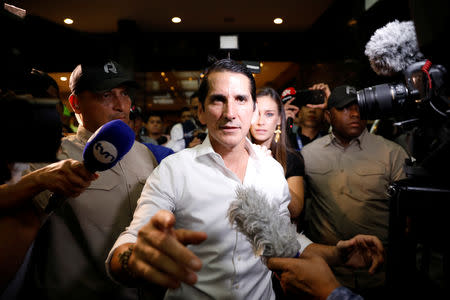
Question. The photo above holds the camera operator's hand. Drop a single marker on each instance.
(326, 89)
(290, 110)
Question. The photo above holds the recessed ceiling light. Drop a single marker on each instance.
(176, 19)
(63, 78)
(68, 21)
(278, 20)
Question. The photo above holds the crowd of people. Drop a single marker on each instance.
(155, 225)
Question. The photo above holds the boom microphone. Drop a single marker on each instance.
(104, 149)
(393, 48)
(270, 234)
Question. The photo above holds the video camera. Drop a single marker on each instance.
(419, 104)
(423, 88)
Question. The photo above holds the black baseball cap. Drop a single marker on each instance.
(99, 77)
(341, 96)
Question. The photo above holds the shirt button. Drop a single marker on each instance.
(239, 258)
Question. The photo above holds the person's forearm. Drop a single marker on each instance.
(329, 253)
(295, 206)
(116, 265)
(14, 195)
(19, 228)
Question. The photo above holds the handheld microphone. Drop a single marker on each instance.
(270, 234)
(393, 48)
(287, 95)
(104, 149)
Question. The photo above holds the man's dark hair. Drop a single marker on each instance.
(226, 65)
(153, 114)
(194, 95)
(38, 83)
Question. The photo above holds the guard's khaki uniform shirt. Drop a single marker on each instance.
(69, 254)
(347, 187)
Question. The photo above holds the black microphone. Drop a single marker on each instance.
(104, 149)
(287, 95)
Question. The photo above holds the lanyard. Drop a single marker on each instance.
(299, 141)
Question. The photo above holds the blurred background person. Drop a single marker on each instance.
(136, 122)
(154, 130)
(185, 114)
(189, 133)
(311, 123)
(41, 85)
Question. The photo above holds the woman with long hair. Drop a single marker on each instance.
(270, 131)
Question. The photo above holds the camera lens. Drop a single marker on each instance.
(381, 101)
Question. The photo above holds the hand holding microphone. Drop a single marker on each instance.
(104, 150)
(287, 96)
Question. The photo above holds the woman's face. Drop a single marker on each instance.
(263, 129)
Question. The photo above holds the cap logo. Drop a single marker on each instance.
(110, 67)
(350, 90)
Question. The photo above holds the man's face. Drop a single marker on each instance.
(228, 110)
(310, 117)
(346, 121)
(193, 107)
(186, 115)
(97, 109)
(154, 124)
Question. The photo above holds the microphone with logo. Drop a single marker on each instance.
(104, 149)
(287, 95)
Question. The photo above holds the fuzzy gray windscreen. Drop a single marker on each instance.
(270, 234)
(393, 47)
